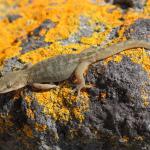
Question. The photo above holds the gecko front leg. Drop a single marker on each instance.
(79, 75)
(44, 86)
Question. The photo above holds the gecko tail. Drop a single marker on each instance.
(117, 48)
(95, 54)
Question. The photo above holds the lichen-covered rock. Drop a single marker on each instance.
(139, 4)
(35, 40)
(112, 114)
(139, 30)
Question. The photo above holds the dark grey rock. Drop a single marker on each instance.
(12, 18)
(139, 30)
(123, 100)
(12, 64)
(139, 4)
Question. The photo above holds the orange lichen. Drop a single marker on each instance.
(95, 39)
(5, 122)
(30, 113)
(42, 32)
(28, 131)
(103, 95)
(57, 103)
(65, 14)
(40, 127)
(139, 138)
(69, 19)
(78, 114)
(145, 96)
(146, 103)
(8, 52)
(125, 139)
(63, 29)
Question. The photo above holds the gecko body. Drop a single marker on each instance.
(44, 74)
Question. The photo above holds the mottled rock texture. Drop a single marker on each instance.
(139, 30)
(139, 4)
(115, 114)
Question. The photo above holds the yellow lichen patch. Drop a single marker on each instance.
(139, 138)
(146, 103)
(120, 37)
(9, 52)
(145, 96)
(40, 127)
(42, 32)
(65, 14)
(130, 19)
(95, 39)
(28, 100)
(28, 131)
(102, 95)
(63, 29)
(31, 16)
(147, 8)
(5, 122)
(29, 112)
(58, 103)
(125, 139)
(106, 14)
(69, 19)
(77, 113)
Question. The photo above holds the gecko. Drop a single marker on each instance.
(44, 74)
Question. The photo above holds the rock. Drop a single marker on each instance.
(12, 18)
(139, 4)
(116, 117)
(35, 40)
(139, 30)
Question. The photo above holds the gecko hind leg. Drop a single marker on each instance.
(44, 86)
(79, 75)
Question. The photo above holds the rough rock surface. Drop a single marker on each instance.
(139, 4)
(35, 40)
(139, 30)
(118, 116)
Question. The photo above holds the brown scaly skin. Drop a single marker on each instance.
(43, 74)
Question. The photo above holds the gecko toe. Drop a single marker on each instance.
(77, 90)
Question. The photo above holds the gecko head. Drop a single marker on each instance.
(12, 81)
